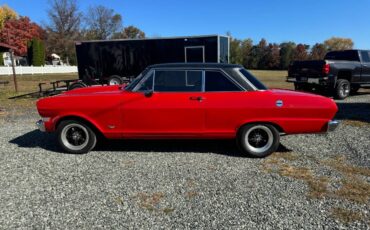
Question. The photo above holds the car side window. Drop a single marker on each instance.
(216, 81)
(365, 56)
(148, 84)
(178, 81)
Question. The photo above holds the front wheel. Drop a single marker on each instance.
(258, 140)
(75, 137)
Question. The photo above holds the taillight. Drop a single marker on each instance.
(326, 69)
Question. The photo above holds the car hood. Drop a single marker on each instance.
(94, 90)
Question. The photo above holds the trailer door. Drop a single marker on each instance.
(194, 54)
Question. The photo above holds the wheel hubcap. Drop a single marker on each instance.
(113, 82)
(259, 139)
(344, 91)
(75, 136)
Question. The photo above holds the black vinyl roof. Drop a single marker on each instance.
(195, 65)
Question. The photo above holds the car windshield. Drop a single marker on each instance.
(252, 79)
(132, 85)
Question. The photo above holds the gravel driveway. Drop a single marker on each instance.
(314, 181)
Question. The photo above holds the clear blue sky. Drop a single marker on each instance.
(302, 21)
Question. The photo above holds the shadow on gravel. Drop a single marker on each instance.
(37, 139)
(354, 111)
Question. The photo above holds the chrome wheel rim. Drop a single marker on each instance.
(259, 139)
(75, 136)
(344, 90)
(114, 82)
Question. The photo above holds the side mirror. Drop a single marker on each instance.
(148, 93)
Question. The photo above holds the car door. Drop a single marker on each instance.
(365, 70)
(222, 104)
(165, 104)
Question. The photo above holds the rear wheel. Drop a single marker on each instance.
(258, 140)
(342, 89)
(115, 80)
(75, 137)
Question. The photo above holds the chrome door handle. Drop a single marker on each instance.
(196, 98)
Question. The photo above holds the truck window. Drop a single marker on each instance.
(346, 55)
(365, 56)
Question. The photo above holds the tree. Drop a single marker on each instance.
(63, 29)
(17, 32)
(235, 54)
(261, 54)
(286, 54)
(300, 52)
(245, 51)
(102, 23)
(337, 43)
(272, 57)
(318, 51)
(36, 52)
(6, 14)
(131, 32)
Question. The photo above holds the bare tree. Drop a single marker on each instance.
(63, 28)
(101, 23)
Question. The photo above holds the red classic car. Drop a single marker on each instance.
(212, 101)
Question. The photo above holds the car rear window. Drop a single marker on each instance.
(347, 55)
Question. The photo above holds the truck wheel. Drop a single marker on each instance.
(77, 85)
(75, 137)
(342, 89)
(258, 140)
(115, 80)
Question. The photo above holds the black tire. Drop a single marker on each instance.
(342, 89)
(252, 135)
(75, 137)
(115, 80)
(77, 85)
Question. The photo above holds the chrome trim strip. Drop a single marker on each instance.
(218, 49)
(153, 38)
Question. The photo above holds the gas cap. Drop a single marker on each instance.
(279, 103)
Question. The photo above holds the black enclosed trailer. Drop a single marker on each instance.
(116, 61)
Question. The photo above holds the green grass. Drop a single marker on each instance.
(26, 84)
(273, 78)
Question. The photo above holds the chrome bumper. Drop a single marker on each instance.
(332, 125)
(40, 125)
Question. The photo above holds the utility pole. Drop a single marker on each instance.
(13, 67)
(11, 51)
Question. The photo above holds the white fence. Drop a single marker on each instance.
(20, 70)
